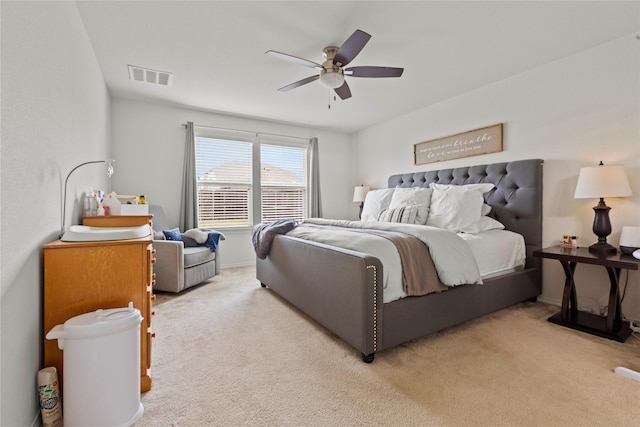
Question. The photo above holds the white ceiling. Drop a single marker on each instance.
(215, 50)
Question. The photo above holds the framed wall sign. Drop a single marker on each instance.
(471, 143)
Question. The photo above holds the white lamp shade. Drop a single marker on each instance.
(360, 193)
(602, 181)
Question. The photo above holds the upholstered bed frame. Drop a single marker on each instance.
(342, 289)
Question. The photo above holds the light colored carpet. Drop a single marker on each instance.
(230, 353)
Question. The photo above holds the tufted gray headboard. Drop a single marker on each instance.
(516, 201)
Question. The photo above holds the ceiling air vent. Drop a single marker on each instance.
(150, 76)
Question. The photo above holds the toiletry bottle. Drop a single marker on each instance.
(87, 204)
(50, 404)
(111, 203)
(100, 211)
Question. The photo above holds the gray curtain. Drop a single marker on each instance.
(315, 205)
(189, 199)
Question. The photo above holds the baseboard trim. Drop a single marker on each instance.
(549, 301)
(240, 264)
(37, 421)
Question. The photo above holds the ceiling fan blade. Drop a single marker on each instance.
(299, 83)
(351, 48)
(374, 71)
(343, 91)
(294, 59)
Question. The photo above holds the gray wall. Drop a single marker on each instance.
(55, 115)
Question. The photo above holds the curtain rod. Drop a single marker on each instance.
(248, 131)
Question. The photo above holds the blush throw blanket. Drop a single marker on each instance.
(452, 257)
(419, 276)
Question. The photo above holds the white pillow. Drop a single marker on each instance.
(456, 207)
(413, 196)
(483, 224)
(402, 214)
(486, 209)
(375, 202)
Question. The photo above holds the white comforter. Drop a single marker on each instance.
(451, 255)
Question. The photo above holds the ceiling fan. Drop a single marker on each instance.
(332, 72)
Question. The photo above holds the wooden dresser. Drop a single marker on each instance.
(81, 277)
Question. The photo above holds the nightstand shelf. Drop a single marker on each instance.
(610, 326)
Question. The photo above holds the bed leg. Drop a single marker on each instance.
(263, 285)
(534, 299)
(368, 358)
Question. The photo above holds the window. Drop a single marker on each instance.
(242, 182)
(283, 175)
(223, 172)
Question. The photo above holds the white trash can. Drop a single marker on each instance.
(101, 367)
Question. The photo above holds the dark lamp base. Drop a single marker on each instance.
(602, 228)
(602, 248)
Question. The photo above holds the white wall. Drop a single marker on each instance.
(571, 113)
(148, 145)
(55, 115)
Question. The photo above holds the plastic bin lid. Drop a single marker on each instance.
(102, 322)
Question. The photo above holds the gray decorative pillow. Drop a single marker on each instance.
(402, 214)
(413, 196)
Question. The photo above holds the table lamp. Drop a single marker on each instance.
(359, 194)
(599, 182)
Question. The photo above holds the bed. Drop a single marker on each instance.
(342, 289)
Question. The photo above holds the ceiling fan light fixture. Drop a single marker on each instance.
(332, 79)
(332, 72)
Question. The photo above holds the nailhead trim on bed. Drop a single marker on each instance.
(375, 307)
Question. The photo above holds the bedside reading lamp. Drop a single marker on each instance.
(109, 163)
(359, 194)
(599, 182)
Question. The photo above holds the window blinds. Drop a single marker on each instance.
(283, 182)
(224, 171)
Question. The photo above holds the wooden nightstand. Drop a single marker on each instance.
(610, 326)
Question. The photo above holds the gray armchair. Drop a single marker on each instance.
(180, 264)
